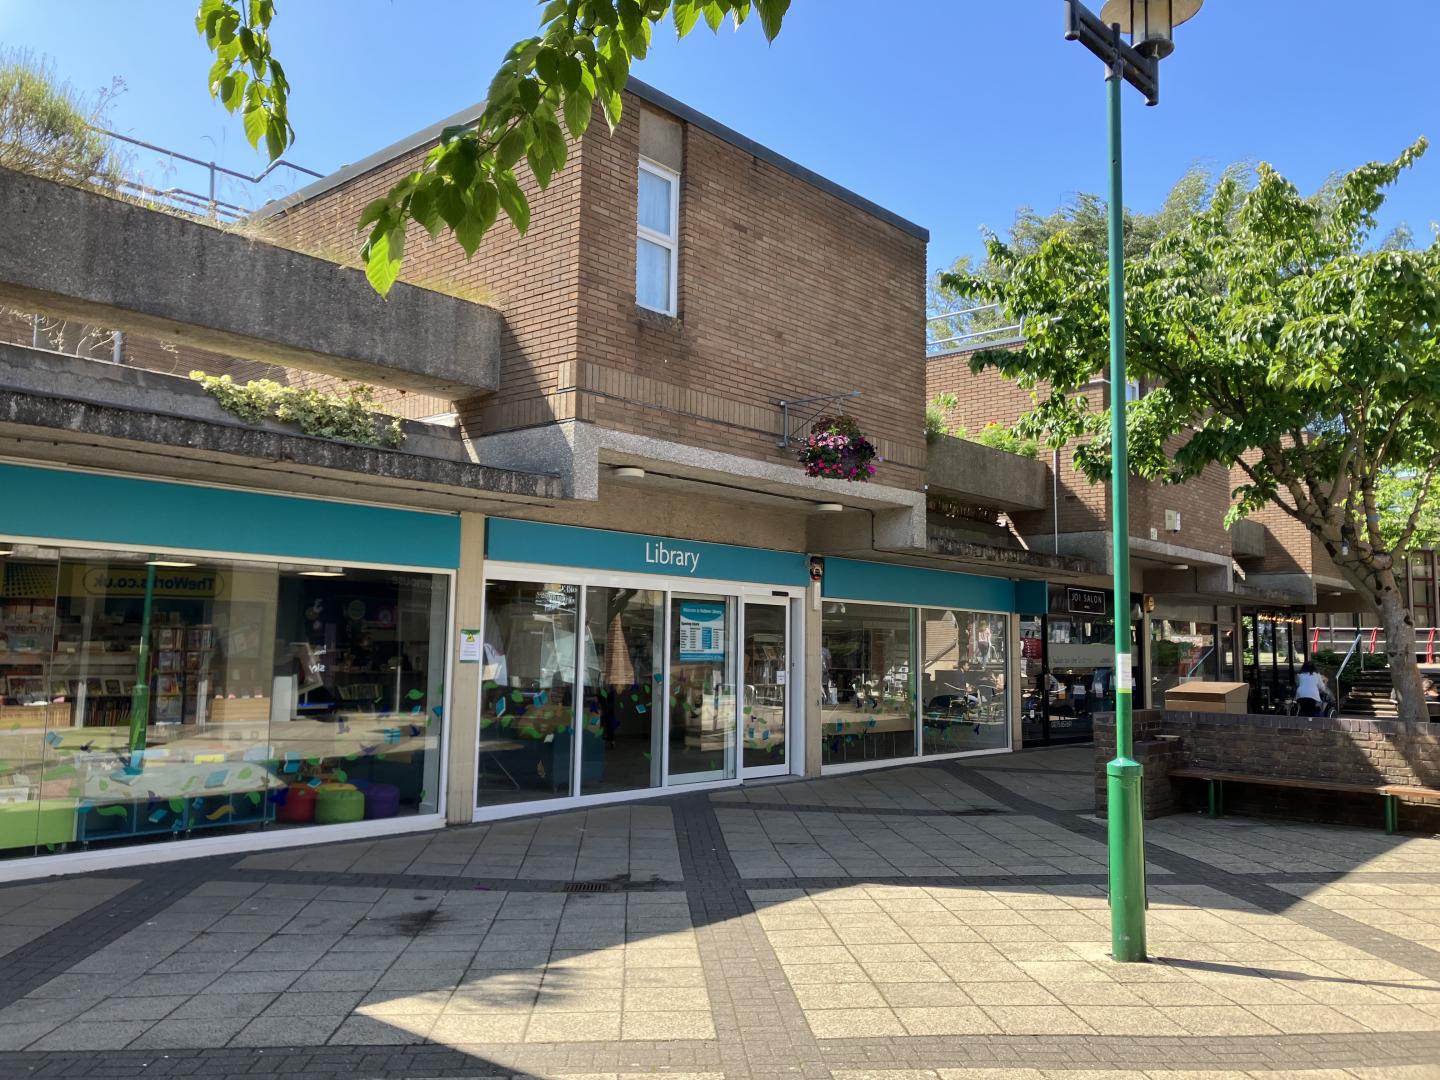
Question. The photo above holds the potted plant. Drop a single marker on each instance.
(836, 448)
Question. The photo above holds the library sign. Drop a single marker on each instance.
(102, 581)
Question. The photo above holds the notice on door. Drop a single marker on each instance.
(702, 632)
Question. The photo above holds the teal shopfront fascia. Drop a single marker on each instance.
(231, 668)
(918, 663)
(620, 664)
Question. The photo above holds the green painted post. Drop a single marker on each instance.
(1124, 775)
(140, 692)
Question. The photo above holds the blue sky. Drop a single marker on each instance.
(949, 112)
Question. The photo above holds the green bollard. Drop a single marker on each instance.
(1125, 795)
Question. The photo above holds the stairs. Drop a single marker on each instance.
(1370, 697)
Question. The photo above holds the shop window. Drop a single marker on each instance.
(624, 684)
(157, 697)
(657, 238)
(962, 686)
(704, 682)
(866, 666)
(1181, 651)
(1080, 681)
(527, 706)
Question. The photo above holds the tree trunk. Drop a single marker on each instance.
(1400, 650)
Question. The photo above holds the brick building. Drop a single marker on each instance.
(1251, 602)
(594, 570)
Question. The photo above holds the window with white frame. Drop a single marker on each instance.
(657, 238)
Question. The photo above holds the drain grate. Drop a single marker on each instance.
(586, 886)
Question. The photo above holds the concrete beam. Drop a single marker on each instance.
(984, 476)
(1247, 539)
(63, 408)
(76, 254)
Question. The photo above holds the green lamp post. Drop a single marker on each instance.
(1150, 24)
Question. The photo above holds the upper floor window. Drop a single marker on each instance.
(657, 238)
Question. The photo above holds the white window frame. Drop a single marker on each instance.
(670, 243)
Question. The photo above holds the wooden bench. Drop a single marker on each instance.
(1390, 794)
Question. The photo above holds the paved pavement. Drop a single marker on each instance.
(941, 922)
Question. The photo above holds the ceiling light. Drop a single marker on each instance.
(326, 571)
(829, 508)
(7, 551)
(178, 564)
(1181, 566)
(630, 472)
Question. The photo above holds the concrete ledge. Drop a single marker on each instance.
(1247, 539)
(86, 412)
(1010, 557)
(60, 375)
(79, 255)
(986, 476)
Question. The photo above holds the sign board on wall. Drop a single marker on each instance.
(1086, 601)
(702, 632)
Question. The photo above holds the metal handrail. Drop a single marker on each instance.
(1341, 669)
(208, 205)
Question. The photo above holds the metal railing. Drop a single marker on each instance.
(966, 317)
(1371, 639)
(207, 203)
(1349, 655)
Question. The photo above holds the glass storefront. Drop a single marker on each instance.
(873, 704)
(600, 689)
(150, 697)
(1181, 650)
(1079, 668)
(1273, 648)
(865, 669)
(963, 682)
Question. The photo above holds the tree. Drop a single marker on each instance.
(1085, 219)
(1278, 340)
(46, 128)
(582, 56)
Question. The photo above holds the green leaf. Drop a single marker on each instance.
(384, 255)
(257, 120)
(512, 148)
(538, 156)
(772, 13)
(512, 201)
(579, 108)
(685, 13)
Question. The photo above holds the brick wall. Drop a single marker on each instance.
(785, 291)
(1084, 507)
(1320, 748)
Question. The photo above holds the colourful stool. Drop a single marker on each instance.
(298, 807)
(382, 801)
(336, 803)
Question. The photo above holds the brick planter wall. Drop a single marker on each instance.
(1321, 748)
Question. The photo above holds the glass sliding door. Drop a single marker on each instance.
(764, 711)
(703, 681)
(527, 708)
(621, 745)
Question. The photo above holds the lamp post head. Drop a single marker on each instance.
(1150, 23)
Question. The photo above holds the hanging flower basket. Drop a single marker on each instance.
(835, 448)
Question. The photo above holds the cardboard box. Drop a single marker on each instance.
(1203, 696)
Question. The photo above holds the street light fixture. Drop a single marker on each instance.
(1150, 24)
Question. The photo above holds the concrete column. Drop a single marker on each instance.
(1145, 658)
(465, 681)
(814, 688)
